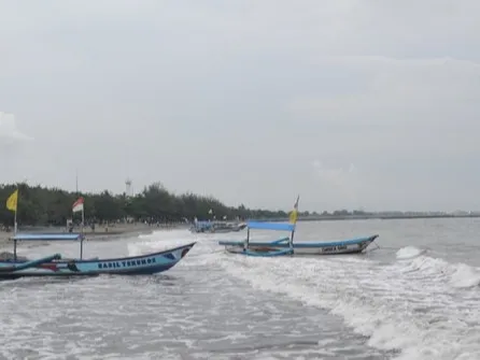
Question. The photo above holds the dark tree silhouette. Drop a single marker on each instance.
(39, 205)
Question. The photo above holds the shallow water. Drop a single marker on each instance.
(414, 298)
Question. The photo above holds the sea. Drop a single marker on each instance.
(416, 296)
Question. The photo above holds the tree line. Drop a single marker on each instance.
(38, 205)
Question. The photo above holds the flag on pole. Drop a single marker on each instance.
(78, 205)
(12, 201)
(294, 212)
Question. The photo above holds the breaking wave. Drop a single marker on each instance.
(423, 307)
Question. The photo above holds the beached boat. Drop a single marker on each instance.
(286, 245)
(216, 227)
(14, 267)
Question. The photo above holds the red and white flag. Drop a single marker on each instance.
(78, 205)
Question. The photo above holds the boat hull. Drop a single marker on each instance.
(218, 228)
(303, 248)
(135, 265)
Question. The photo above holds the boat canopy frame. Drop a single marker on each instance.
(47, 237)
(259, 225)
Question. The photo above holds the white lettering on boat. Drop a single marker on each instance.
(125, 263)
(334, 248)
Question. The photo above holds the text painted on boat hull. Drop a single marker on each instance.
(334, 248)
(126, 263)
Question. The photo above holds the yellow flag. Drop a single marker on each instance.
(294, 213)
(293, 216)
(12, 201)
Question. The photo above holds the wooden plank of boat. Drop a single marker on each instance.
(216, 227)
(133, 265)
(263, 252)
(350, 246)
(266, 250)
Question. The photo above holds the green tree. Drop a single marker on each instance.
(39, 205)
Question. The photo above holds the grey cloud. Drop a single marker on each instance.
(8, 129)
(236, 98)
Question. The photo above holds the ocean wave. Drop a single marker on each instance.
(413, 305)
(409, 252)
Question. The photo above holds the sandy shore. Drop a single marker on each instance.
(102, 233)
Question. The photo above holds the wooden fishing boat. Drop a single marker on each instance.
(286, 245)
(15, 267)
(216, 227)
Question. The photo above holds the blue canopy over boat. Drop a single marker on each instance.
(48, 237)
(271, 226)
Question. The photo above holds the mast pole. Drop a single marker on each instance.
(15, 229)
(76, 180)
(247, 240)
(15, 223)
(295, 209)
(15, 226)
(82, 235)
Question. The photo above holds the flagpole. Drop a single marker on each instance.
(75, 208)
(83, 233)
(83, 220)
(15, 228)
(83, 215)
(12, 205)
(15, 223)
(15, 231)
(295, 223)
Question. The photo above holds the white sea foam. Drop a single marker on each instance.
(414, 305)
(421, 306)
(409, 252)
(158, 241)
(465, 276)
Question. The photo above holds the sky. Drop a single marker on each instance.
(353, 104)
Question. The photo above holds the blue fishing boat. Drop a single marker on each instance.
(216, 227)
(14, 267)
(286, 245)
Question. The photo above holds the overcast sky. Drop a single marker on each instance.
(353, 104)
